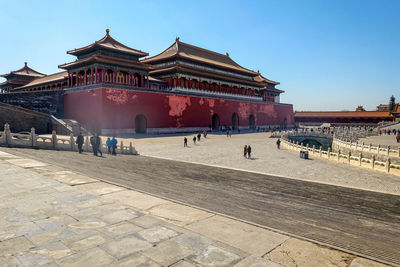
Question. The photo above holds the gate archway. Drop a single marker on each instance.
(215, 122)
(252, 122)
(235, 121)
(140, 124)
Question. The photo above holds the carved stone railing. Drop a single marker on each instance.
(347, 158)
(54, 142)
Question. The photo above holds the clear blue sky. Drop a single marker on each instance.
(327, 54)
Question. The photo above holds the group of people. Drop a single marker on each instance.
(388, 132)
(247, 151)
(195, 138)
(95, 141)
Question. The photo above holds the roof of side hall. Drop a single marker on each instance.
(343, 114)
(107, 42)
(195, 53)
(57, 77)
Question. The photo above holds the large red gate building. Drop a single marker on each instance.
(113, 88)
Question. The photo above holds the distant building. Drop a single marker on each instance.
(112, 88)
(343, 117)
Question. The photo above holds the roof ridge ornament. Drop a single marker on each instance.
(26, 64)
(108, 32)
(227, 54)
(177, 39)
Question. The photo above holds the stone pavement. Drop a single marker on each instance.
(54, 217)
(219, 150)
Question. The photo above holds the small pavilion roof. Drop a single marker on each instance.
(199, 54)
(260, 78)
(25, 71)
(110, 43)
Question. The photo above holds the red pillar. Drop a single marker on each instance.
(141, 80)
(84, 79)
(103, 75)
(77, 79)
(91, 76)
(96, 75)
(68, 79)
(148, 82)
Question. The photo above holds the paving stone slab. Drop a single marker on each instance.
(126, 246)
(9, 261)
(56, 250)
(92, 257)
(119, 216)
(295, 252)
(136, 199)
(183, 263)
(26, 163)
(70, 178)
(147, 221)
(15, 245)
(83, 226)
(254, 261)
(361, 262)
(249, 238)
(179, 214)
(29, 259)
(157, 234)
(175, 249)
(215, 256)
(99, 188)
(121, 229)
(89, 242)
(5, 155)
(136, 260)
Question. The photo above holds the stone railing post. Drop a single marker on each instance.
(387, 165)
(356, 145)
(379, 148)
(122, 147)
(320, 151)
(87, 147)
(338, 155)
(388, 150)
(72, 142)
(360, 159)
(362, 148)
(7, 134)
(369, 147)
(54, 139)
(373, 162)
(33, 137)
(329, 152)
(307, 147)
(349, 158)
(130, 148)
(313, 149)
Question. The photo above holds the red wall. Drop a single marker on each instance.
(117, 109)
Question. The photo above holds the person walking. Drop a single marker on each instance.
(79, 142)
(245, 151)
(108, 144)
(185, 142)
(398, 138)
(95, 142)
(230, 133)
(249, 151)
(278, 143)
(194, 139)
(114, 143)
(198, 137)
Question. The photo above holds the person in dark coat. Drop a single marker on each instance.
(245, 151)
(198, 137)
(185, 142)
(79, 142)
(114, 143)
(194, 139)
(278, 143)
(95, 142)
